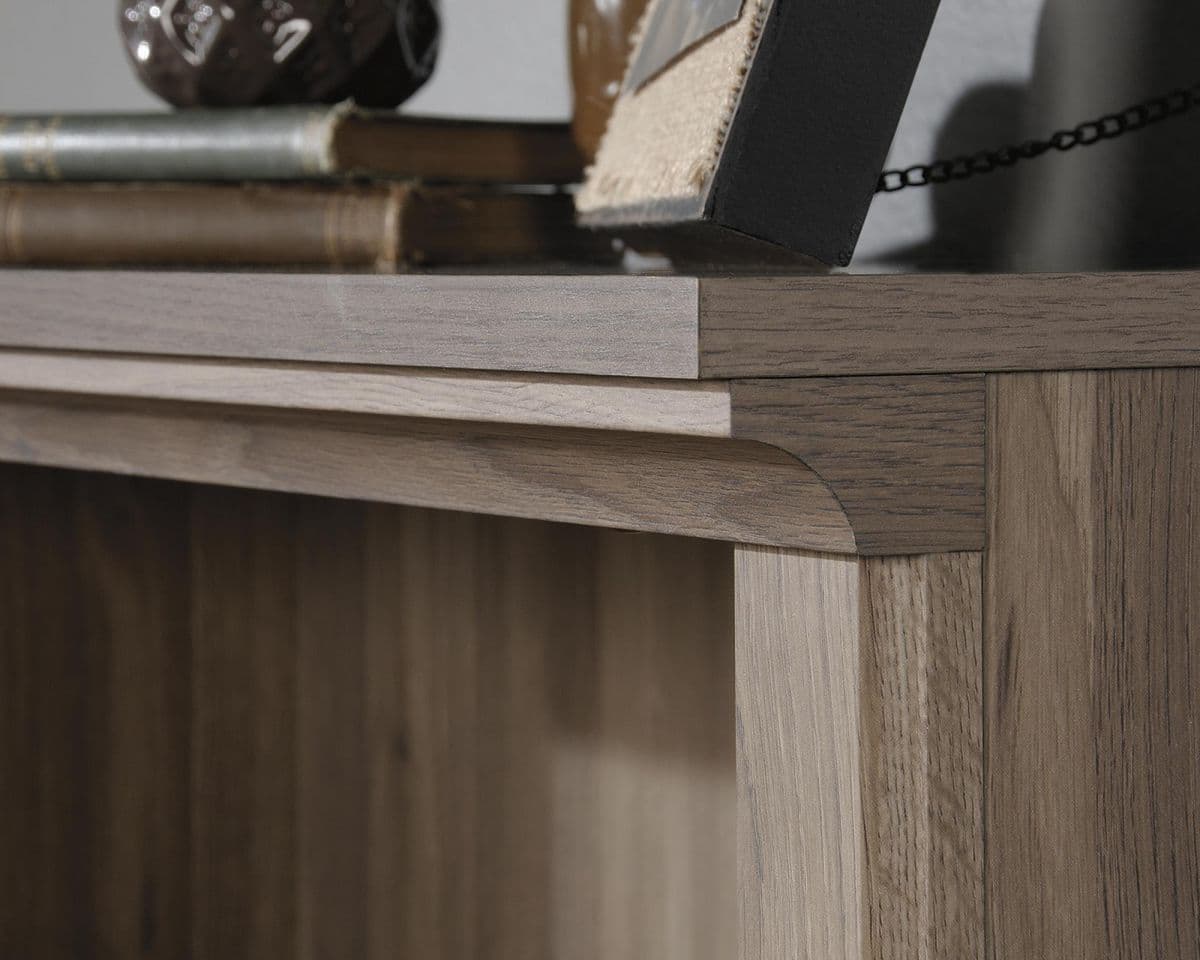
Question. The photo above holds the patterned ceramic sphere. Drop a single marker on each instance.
(251, 52)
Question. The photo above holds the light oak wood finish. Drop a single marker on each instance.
(610, 325)
(306, 712)
(729, 490)
(860, 822)
(903, 455)
(381, 731)
(873, 465)
(673, 327)
(585, 403)
(1093, 783)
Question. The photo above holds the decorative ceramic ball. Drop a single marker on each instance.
(252, 52)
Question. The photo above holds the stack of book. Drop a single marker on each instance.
(287, 186)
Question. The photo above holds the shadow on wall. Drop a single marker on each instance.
(972, 219)
(1131, 203)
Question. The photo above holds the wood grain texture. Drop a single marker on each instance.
(921, 715)
(847, 325)
(609, 325)
(332, 844)
(801, 845)
(384, 731)
(1093, 785)
(94, 839)
(561, 737)
(730, 490)
(242, 743)
(903, 455)
(859, 720)
(134, 633)
(625, 326)
(586, 403)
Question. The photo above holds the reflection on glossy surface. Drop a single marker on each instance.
(600, 46)
(252, 52)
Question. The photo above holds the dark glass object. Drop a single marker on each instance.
(257, 52)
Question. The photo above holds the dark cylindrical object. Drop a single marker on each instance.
(255, 52)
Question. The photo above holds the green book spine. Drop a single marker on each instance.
(277, 143)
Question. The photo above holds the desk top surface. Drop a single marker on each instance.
(842, 414)
(660, 327)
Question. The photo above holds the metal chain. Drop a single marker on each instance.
(1087, 134)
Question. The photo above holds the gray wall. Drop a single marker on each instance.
(974, 44)
(1001, 71)
(501, 58)
(995, 71)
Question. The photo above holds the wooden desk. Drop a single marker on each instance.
(455, 617)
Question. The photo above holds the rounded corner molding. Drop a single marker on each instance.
(858, 465)
(904, 456)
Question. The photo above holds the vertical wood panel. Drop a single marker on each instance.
(514, 607)
(243, 763)
(1093, 784)
(19, 684)
(922, 728)
(801, 849)
(331, 789)
(96, 731)
(551, 764)
(422, 681)
(268, 726)
(132, 552)
(47, 856)
(659, 754)
(859, 756)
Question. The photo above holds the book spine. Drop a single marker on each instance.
(381, 227)
(210, 225)
(268, 144)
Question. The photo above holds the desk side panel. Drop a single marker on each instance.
(1093, 671)
(859, 719)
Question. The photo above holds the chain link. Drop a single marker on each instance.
(1108, 127)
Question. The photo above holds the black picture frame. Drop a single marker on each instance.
(813, 124)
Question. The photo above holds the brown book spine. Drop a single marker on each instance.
(382, 227)
(153, 224)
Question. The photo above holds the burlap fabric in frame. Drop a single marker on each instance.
(664, 140)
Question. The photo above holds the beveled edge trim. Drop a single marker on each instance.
(740, 491)
(600, 324)
(681, 408)
(898, 459)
